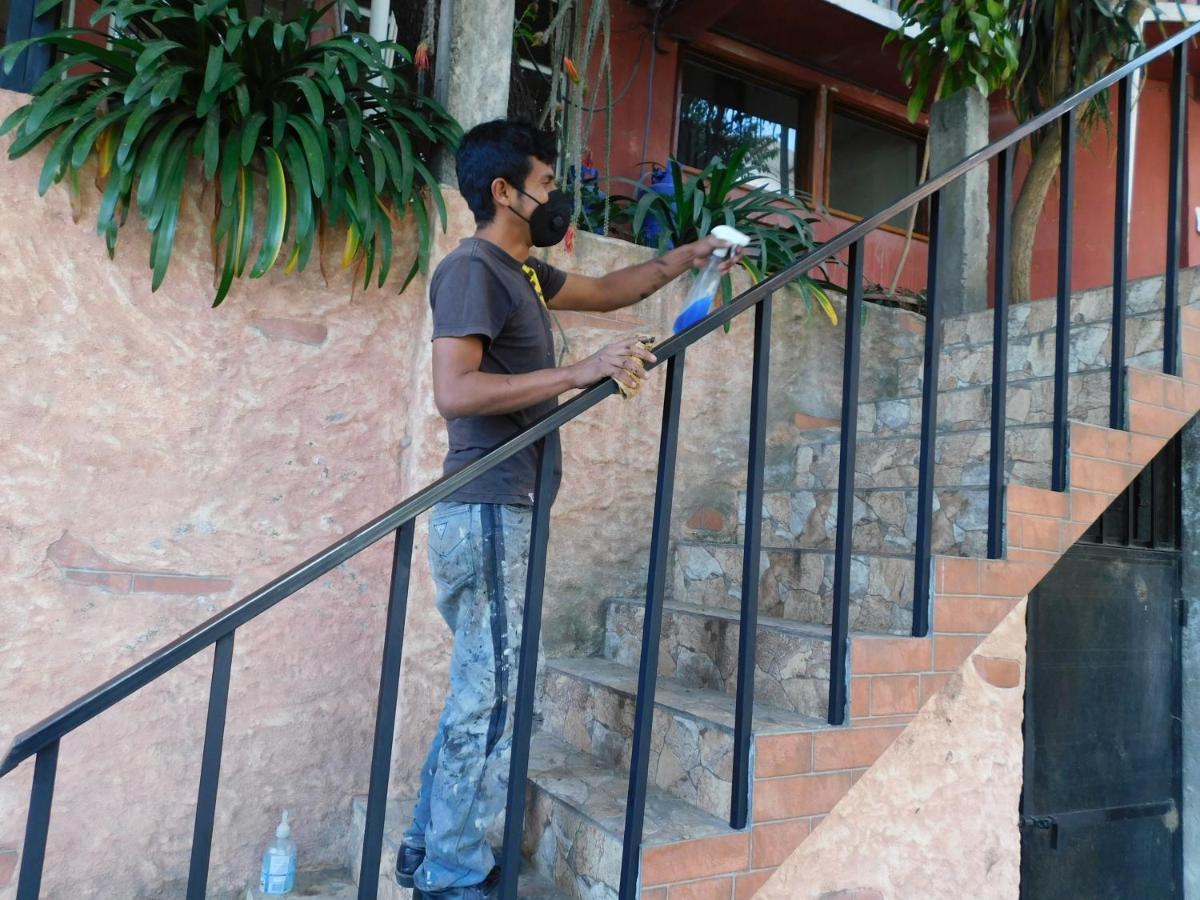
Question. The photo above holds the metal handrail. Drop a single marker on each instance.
(43, 738)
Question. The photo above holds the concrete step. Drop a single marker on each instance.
(796, 585)
(575, 823)
(530, 886)
(699, 648)
(590, 703)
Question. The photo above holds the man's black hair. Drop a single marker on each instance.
(499, 149)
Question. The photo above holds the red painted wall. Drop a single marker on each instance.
(631, 61)
(1095, 201)
(1095, 168)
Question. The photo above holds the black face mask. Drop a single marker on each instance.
(549, 223)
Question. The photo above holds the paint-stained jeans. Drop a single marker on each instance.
(478, 554)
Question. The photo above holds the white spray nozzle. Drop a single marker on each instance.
(283, 830)
(729, 236)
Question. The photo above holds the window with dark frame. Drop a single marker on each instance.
(721, 108)
(871, 165)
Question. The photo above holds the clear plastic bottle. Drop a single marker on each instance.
(706, 284)
(279, 862)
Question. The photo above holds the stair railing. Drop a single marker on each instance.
(42, 741)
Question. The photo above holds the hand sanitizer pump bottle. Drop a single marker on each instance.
(279, 862)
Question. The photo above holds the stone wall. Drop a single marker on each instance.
(163, 459)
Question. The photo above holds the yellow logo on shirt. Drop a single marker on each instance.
(533, 279)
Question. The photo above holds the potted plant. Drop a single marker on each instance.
(334, 133)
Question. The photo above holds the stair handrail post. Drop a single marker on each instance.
(385, 711)
(1002, 268)
(922, 548)
(1117, 412)
(1175, 210)
(1062, 321)
(643, 717)
(531, 628)
(839, 646)
(739, 804)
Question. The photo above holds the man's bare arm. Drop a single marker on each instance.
(460, 389)
(628, 286)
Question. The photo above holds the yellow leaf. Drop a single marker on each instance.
(351, 248)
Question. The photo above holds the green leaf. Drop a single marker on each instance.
(302, 190)
(48, 102)
(250, 132)
(276, 213)
(378, 167)
(151, 163)
(278, 122)
(154, 50)
(312, 95)
(212, 144)
(13, 119)
(133, 128)
(363, 198)
(354, 123)
(230, 157)
(245, 219)
(212, 71)
(435, 192)
(52, 168)
(164, 233)
(314, 153)
(385, 241)
(168, 85)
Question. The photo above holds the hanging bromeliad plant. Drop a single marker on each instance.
(333, 131)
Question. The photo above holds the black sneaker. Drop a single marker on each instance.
(408, 860)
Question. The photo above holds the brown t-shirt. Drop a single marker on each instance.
(478, 289)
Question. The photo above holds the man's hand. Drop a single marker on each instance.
(703, 249)
(618, 361)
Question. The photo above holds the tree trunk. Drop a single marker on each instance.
(1027, 212)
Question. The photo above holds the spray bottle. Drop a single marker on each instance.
(279, 862)
(704, 288)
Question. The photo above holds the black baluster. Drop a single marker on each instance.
(1116, 411)
(531, 627)
(639, 766)
(385, 712)
(1062, 325)
(739, 804)
(210, 769)
(33, 851)
(1000, 355)
(1175, 230)
(839, 645)
(923, 557)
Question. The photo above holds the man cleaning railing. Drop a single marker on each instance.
(493, 375)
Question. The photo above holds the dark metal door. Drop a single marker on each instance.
(1101, 804)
